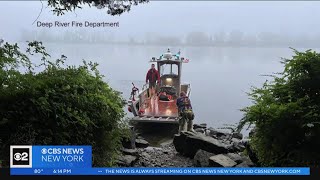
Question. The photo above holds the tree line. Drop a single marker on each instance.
(222, 38)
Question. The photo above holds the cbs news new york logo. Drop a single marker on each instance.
(21, 156)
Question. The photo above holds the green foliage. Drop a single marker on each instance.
(114, 7)
(286, 114)
(60, 105)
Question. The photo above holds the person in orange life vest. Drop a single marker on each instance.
(152, 78)
(185, 112)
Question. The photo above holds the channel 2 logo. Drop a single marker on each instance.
(20, 156)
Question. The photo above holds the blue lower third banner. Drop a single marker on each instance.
(160, 171)
(77, 160)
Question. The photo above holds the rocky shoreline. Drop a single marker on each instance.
(206, 147)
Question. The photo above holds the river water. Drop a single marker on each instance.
(219, 76)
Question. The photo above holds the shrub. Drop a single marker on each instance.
(286, 114)
(58, 105)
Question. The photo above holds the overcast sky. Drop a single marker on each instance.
(179, 17)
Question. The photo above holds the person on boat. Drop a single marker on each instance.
(185, 112)
(152, 78)
(163, 96)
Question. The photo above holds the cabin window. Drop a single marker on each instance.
(169, 69)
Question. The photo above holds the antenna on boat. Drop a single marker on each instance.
(178, 54)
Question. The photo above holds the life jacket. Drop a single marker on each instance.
(186, 110)
(186, 103)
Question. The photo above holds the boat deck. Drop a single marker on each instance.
(156, 108)
(156, 111)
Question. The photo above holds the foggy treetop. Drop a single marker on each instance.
(113, 7)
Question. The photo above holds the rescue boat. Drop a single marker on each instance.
(148, 108)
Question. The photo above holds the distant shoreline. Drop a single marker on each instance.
(175, 45)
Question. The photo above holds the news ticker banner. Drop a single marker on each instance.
(160, 171)
(77, 160)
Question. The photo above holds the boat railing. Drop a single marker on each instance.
(145, 86)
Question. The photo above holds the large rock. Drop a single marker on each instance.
(218, 134)
(201, 159)
(179, 142)
(235, 157)
(141, 143)
(202, 126)
(243, 164)
(129, 143)
(235, 140)
(200, 130)
(153, 149)
(133, 152)
(237, 135)
(188, 143)
(246, 163)
(238, 145)
(149, 149)
(145, 155)
(221, 160)
(126, 160)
